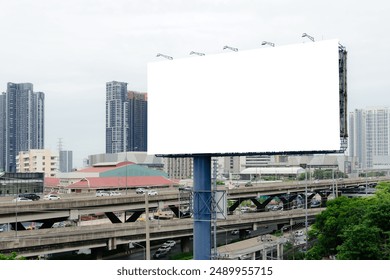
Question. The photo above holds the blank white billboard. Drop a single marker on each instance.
(272, 99)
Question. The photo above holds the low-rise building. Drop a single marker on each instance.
(108, 176)
(37, 160)
(18, 183)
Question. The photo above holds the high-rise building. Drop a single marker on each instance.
(137, 121)
(66, 161)
(126, 119)
(115, 122)
(21, 122)
(65, 158)
(369, 136)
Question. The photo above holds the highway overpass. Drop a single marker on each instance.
(109, 236)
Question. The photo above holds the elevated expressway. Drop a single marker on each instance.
(75, 206)
(109, 236)
(47, 239)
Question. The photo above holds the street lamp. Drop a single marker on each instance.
(230, 48)
(132, 243)
(306, 222)
(308, 36)
(147, 228)
(304, 166)
(268, 43)
(197, 53)
(164, 56)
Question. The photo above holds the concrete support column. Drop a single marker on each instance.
(202, 207)
(279, 251)
(185, 244)
(112, 244)
(97, 253)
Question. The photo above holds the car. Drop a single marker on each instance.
(59, 225)
(275, 207)
(21, 199)
(185, 214)
(235, 232)
(164, 247)
(315, 203)
(51, 197)
(160, 254)
(140, 191)
(114, 193)
(31, 196)
(249, 184)
(170, 243)
(152, 192)
(102, 193)
(187, 188)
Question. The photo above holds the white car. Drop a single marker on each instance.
(299, 233)
(152, 192)
(164, 247)
(140, 191)
(21, 199)
(51, 197)
(170, 243)
(114, 193)
(102, 193)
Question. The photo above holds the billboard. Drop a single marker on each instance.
(268, 100)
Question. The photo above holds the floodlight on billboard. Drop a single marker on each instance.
(278, 100)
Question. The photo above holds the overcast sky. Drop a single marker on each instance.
(70, 49)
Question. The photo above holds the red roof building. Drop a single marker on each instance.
(123, 175)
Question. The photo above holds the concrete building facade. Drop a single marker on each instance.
(179, 168)
(38, 160)
(18, 183)
(65, 161)
(140, 158)
(369, 136)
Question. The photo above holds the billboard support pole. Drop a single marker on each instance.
(202, 207)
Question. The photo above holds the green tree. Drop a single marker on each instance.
(12, 256)
(357, 228)
(361, 242)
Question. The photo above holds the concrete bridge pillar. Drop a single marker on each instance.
(264, 254)
(324, 198)
(279, 251)
(185, 244)
(112, 244)
(97, 253)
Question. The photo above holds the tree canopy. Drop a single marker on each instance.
(354, 228)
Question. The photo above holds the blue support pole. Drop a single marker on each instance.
(202, 208)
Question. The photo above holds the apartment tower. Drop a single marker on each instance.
(21, 123)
